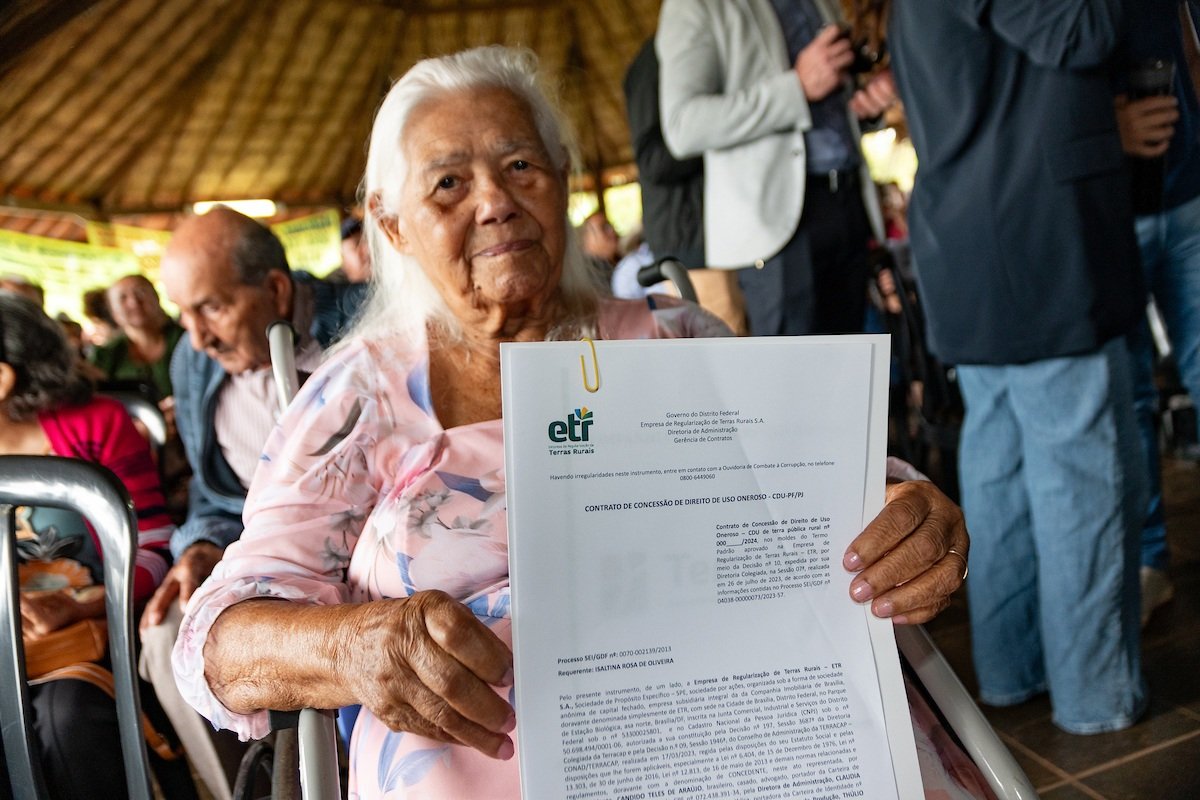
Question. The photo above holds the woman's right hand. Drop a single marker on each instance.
(425, 664)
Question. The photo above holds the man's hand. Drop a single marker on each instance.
(1147, 124)
(875, 97)
(822, 65)
(183, 579)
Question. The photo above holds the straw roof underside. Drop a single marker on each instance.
(139, 106)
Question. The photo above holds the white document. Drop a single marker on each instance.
(682, 620)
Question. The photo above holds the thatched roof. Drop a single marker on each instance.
(123, 107)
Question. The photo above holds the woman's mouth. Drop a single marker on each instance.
(505, 247)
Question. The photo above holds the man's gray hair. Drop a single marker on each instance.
(402, 299)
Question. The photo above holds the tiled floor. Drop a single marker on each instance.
(1157, 759)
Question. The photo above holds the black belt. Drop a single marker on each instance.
(835, 180)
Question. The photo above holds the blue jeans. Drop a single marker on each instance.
(1053, 488)
(1170, 247)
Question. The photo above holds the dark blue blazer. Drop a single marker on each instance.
(1021, 224)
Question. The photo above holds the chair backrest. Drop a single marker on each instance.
(145, 412)
(95, 494)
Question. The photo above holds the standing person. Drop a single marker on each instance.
(762, 90)
(1162, 133)
(673, 196)
(1022, 235)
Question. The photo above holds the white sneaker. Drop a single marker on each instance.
(1157, 590)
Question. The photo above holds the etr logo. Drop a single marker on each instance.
(574, 429)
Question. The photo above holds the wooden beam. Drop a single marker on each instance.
(86, 210)
(296, 110)
(253, 126)
(170, 103)
(146, 70)
(66, 89)
(257, 24)
(29, 31)
(355, 126)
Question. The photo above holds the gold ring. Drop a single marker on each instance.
(966, 568)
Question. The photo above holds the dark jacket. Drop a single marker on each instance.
(672, 190)
(1021, 225)
(216, 496)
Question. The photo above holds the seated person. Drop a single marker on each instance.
(47, 408)
(230, 279)
(141, 352)
(340, 590)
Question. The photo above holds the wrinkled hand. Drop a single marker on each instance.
(1147, 124)
(911, 557)
(46, 612)
(424, 664)
(182, 580)
(875, 97)
(822, 65)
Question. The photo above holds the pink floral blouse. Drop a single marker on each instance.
(362, 495)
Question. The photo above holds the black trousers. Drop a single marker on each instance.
(818, 282)
(75, 727)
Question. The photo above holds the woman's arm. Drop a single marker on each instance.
(422, 664)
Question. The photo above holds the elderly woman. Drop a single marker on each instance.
(338, 592)
(47, 408)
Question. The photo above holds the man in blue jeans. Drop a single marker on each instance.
(1153, 128)
(1022, 237)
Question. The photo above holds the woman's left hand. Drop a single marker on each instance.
(911, 557)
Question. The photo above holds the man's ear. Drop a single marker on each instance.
(8, 380)
(388, 224)
(279, 284)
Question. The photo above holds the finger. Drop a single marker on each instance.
(407, 718)
(156, 609)
(827, 34)
(470, 642)
(915, 555)
(906, 507)
(929, 590)
(454, 701)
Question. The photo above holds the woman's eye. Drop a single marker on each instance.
(520, 164)
(447, 182)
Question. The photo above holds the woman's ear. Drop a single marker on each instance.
(387, 223)
(8, 380)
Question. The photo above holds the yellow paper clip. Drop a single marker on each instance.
(595, 367)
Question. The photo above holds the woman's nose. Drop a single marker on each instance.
(495, 201)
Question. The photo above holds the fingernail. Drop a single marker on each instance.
(861, 591)
(508, 678)
(883, 608)
(852, 561)
(506, 750)
(900, 620)
(509, 723)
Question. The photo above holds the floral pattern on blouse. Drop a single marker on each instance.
(362, 495)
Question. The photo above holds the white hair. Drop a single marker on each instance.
(403, 300)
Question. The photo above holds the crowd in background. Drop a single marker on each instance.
(1022, 257)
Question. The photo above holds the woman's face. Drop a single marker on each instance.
(482, 208)
(133, 304)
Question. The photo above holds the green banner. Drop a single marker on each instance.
(313, 243)
(65, 270)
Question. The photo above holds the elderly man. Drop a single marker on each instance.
(230, 279)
